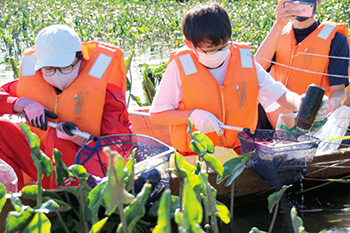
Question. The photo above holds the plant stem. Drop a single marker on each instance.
(122, 217)
(232, 199)
(39, 198)
(273, 218)
(62, 222)
(82, 210)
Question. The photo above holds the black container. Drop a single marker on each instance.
(309, 107)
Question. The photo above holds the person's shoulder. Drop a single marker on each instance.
(340, 38)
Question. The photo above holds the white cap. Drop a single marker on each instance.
(56, 45)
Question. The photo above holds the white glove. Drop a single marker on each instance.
(333, 104)
(206, 122)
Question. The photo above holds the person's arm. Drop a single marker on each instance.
(8, 97)
(268, 47)
(171, 117)
(115, 118)
(289, 100)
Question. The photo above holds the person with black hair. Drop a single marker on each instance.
(300, 50)
(213, 81)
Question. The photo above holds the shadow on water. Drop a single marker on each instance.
(325, 210)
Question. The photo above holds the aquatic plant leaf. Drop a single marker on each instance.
(136, 209)
(256, 230)
(2, 196)
(275, 197)
(79, 172)
(39, 221)
(18, 220)
(223, 212)
(201, 143)
(192, 207)
(129, 177)
(233, 168)
(163, 222)
(47, 207)
(41, 161)
(97, 227)
(181, 163)
(175, 204)
(297, 222)
(60, 168)
(94, 200)
(115, 183)
(214, 164)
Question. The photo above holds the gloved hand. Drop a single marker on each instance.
(63, 131)
(206, 122)
(321, 114)
(34, 112)
(333, 104)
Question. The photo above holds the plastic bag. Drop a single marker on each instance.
(8, 177)
(336, 126)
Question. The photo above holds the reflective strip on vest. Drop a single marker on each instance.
(187, 64)
(100, 66)
(326, 31)
(246, 58)
(28, 65)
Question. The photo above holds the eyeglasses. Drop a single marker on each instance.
(50, 71)
(213, 51)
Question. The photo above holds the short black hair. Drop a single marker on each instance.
(207, 23)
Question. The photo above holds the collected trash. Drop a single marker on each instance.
(280, 157)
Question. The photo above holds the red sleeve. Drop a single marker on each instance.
(115, 119)
(8, 96)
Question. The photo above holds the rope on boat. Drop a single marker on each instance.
(303, 70)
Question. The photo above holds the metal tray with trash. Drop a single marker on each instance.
(280, 157)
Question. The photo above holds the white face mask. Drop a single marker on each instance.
(212, 60)
(62, 81)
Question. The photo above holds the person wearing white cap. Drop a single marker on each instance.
(75, 84)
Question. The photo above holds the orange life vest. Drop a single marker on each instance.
(83, 101)
(235, 103)
(289, 53)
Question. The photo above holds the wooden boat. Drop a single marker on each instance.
(249, 185)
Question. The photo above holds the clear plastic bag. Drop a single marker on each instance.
(336, 126)
(8, 177)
